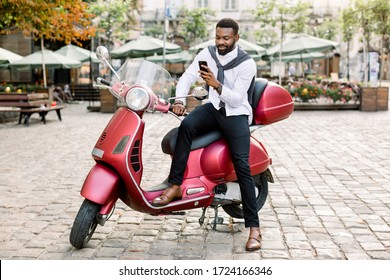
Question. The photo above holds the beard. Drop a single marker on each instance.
(226, 50)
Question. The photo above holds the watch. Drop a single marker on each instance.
(219, 89)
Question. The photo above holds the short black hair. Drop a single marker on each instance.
(228, 23)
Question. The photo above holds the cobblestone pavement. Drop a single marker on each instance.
(331, 197)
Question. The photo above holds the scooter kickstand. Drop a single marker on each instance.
(217, 220)
(202, 217)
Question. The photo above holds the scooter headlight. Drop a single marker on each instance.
(137, 99)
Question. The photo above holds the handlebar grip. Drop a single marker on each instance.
(103, 81)
(171, 110)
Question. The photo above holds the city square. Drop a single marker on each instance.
(325, 215)
(330, 198)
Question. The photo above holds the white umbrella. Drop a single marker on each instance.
(51, 60)
(300, 57)
(181, 57)
(144, 46)
(43, 59)
(301, 43)
(78, 53)
(7, 56)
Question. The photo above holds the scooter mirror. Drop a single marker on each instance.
(199, 93)
(102, 53)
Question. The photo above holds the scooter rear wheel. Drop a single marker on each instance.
(261, 183)
(84, 224)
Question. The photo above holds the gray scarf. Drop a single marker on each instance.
(241, 57)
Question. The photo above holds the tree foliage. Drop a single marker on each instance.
(263, 15)
(328, 29)
(381, 12)
(287, 17)
(300, 16)
(115, 19)
(371, 17)
(61, 20)
(196, 23)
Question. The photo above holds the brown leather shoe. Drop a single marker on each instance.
(171, 193)
(254, 240)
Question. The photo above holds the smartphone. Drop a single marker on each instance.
(202, 62)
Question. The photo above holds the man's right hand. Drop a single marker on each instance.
(179, 109)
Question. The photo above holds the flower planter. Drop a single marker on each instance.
(316, 106)
(374, 99)
(108, 103)
(382, 100)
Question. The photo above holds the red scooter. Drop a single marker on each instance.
(209, 179)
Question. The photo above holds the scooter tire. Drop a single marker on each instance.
(261, 183)
(84, 224)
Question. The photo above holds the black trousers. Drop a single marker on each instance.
(235, 129)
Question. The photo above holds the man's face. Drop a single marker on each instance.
(225, 40)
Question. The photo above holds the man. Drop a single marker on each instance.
(229, 75)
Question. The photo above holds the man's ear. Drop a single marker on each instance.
(237, 37)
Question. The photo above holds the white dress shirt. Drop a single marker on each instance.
(235, 86)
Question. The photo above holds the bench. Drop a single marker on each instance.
(85, 93)
(27, 104)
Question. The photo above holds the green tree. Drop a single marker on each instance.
(328, 29)
(364, 20)
(300, 17)
(56, 20)
(348, 29)
(156, 30)
(288, 17)
(61, 20)
(267, 35)
(381, 17)
(371, 17)
(195, 23)
(115, 19)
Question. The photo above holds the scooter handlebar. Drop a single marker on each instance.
(171, 110)
(103, 81)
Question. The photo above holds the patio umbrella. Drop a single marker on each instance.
(50, 59)
(144, 46)
(81, 55)
(43, 59)
(303, 57)
(245, 45)
(301, 43)
(181, 57)
(6, 57)
(78, 53)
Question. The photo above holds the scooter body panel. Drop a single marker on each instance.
(121, 144)
(101, 185)
(118, 154)
(216, 163)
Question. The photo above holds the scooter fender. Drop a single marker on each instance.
(101, 185)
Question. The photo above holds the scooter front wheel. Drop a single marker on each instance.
(84, 224)
(261, 184)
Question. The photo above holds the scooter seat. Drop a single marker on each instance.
(169, 141)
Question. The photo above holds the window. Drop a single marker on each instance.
(202, 3)
(230, 5)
